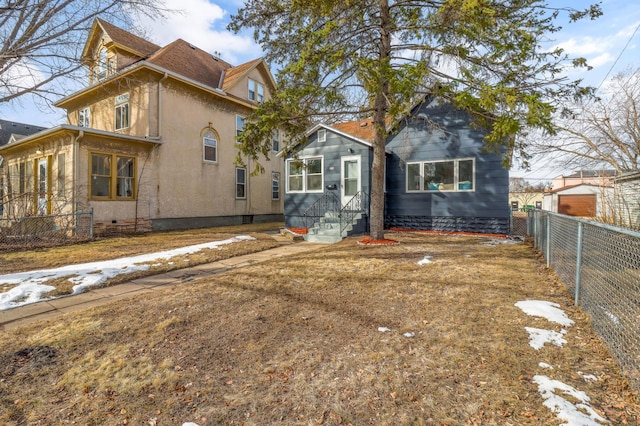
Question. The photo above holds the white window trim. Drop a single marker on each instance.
(244, 183)
(279, 179)
(322, 135)
(304, 174)
(84, 117)
(120, 102)
(257, 89)
(456, 170)
(204, 145)
(243, 124)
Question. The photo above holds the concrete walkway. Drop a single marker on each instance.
(51, 309)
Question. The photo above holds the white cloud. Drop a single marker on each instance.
(203, 24)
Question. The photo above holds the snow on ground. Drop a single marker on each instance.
(552, 391)
(548, 310)
(425, 260)
(538, 337)
(30, 287)
(578, 414)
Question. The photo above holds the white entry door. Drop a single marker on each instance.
(43, 190)
(350, 183)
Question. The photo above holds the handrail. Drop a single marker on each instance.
(329, 202)
(356, 204)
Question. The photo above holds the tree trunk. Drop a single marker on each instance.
(379, 121)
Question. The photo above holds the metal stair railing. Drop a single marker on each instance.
(356, 204)
(329, 202)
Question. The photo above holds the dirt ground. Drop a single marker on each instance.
(297, 341)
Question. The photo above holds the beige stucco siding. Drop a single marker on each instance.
(188, 185)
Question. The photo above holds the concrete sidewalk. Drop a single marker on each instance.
(51, 309)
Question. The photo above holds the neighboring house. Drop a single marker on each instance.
(602, 177)
(584, 200)
(11, 131)
(438, 177)
(151, 141)
(523, 200)
(627, 199)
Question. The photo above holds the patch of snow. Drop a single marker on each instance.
(578, 414)
(495, 241)
(538, 337)
(409, 334)
(30, 287)
(545, 365)
(427, 259)
(588, 377)
(189, 424)
(548, 310)
(383, 329)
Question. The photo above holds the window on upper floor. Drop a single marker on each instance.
(122, 111)
(241, 183)
(443, 175)
(256, 91)
(275, 141)
(101, 66)
(322, 135)
(112, 176)
(210, 146)
(84, 118)
(240, 120)
(305, 175)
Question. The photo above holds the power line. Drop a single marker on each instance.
(618, 58)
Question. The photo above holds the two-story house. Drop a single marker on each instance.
(150, 143)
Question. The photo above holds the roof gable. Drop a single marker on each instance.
(121, 38)
(17, 130)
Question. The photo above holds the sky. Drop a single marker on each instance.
(570, 405)
(610, 44)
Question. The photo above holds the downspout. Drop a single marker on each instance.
(166, 75)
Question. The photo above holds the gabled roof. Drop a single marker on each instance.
(121, 38)
(192, 62)
(18, 130)
(361, 129)
(234, 74)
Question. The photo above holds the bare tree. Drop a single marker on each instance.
(604, 132)
(41, 41)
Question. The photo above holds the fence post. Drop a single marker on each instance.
(548, 242)
(578, 265)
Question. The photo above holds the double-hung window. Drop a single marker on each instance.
(256, 91)
(305, 175)
(444, 175)
(275, 185)
(122, 111)
(275, 141)
(241, 183)
(239, 125)
(112, 176)
(84, 118)
(210, 146)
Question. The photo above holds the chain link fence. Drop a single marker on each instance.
(32, 232)
(600, 266)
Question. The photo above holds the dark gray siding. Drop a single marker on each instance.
(486, 209)
(332, 150)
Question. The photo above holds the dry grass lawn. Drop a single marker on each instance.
(296, 341)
